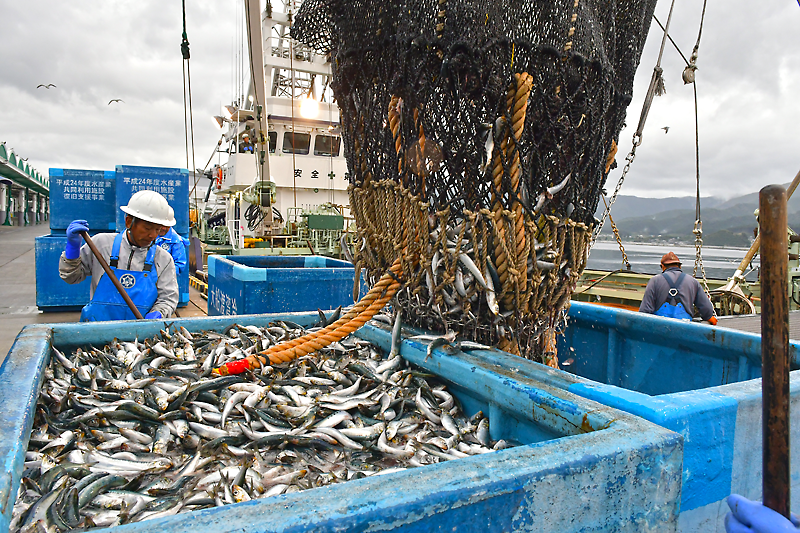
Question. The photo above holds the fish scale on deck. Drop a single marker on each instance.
(143, 430)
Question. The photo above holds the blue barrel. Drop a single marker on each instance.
(82, 194)
(172, 183)
(52, 292)
(240, 284)
(580, 466)
(698, 380)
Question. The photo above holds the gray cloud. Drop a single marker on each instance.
(96, 50)
(749, 72)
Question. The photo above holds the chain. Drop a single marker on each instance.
(619, 239)
(698, 258)
(629, 159)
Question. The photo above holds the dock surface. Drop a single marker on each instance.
(18, 286)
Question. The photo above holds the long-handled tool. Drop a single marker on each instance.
(111, 275)
(774, 348)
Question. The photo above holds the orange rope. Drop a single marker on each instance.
(357, 316)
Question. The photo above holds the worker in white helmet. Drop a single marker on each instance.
(147, 272)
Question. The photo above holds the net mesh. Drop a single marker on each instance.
(477, 136)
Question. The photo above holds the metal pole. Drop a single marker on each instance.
(774, 347)
(111, 275)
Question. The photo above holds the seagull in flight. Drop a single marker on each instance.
(46, 86)
(116, 100)
(666, 129)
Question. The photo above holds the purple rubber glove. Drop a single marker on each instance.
(154, 315)
(752, 517)
(74, 239)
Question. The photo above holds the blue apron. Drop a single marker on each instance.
(673, 308)
(107, 303)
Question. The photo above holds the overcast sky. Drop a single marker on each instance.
(97, 50)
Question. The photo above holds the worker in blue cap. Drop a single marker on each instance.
(754, 517)
(169, 240)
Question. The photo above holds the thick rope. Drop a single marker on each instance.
(357, 316)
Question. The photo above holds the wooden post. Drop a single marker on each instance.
(774, 348)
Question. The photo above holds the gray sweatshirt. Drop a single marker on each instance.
(690, 294)
(130, 258)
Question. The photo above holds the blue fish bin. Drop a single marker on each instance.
(579, 466)
(240, 285)
(82, 194)
(52, 292)
(183, 287)
(171, 183)
(700, 381)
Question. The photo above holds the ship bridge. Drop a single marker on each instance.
(24, 193)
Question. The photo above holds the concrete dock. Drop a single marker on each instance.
(18, 286)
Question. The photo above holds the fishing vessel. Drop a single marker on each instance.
(284, 183)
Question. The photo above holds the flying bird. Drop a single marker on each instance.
(666, 129)
(46, 86)
(116, 100)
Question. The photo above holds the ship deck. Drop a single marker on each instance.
(18, 287)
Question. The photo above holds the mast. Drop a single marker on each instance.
(254, 41)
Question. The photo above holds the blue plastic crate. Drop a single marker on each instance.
(82, 194)
(172, 183)
(581, 466)
(52, 292)
(55, 294)
(183, 279)
(240, 285)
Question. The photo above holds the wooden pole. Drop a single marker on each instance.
(111, 275)
(774, 348)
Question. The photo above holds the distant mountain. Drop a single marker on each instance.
(634, 206)
(725, 222)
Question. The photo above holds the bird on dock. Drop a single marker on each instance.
(46, 86)
(666, 129)
(116, 100)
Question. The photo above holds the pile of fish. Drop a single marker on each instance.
(457, 294)
(140, 430)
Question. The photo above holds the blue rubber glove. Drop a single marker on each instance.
(752, 517)
(154, 315)
(74, 239)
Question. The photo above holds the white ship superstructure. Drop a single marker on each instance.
(305, 153)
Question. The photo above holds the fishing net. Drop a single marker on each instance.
(478, 137)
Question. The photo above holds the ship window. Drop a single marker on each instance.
(273, 140)
(297, 143)
(326, 145)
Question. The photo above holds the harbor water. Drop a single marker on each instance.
(719, 263)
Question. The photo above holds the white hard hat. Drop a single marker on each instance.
(171, 215)
(150, 206)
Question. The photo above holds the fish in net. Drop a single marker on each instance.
(478, 138)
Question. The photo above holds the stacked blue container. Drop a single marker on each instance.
(173, 184)
(87, 194)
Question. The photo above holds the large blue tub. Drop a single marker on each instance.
(241, 285)
(701, 381)
(55, 295)
(582, 466)
(52, 292)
